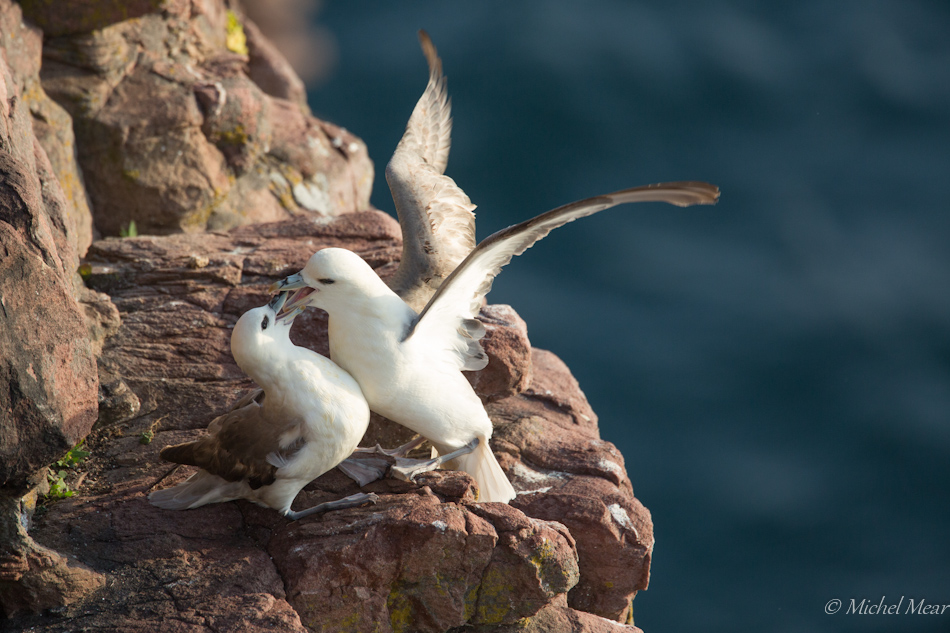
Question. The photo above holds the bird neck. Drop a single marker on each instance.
(266, 364)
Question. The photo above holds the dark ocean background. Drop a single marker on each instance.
(775, 369)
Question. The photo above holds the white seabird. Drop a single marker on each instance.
(309, 417)
(409, 365)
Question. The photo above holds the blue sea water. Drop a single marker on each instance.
(775, 369)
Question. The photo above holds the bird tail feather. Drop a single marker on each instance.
(493, 484)
(200, 489)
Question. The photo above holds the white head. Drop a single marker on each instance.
(333, 279)
(259, 339)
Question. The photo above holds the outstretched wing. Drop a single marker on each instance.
(438, 226)
(450, 314)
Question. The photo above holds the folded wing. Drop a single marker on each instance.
(241, 444)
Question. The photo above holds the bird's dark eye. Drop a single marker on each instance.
(265, 322)
(327, 281)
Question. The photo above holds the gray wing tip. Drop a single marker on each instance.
(166, 499)
(708, 192)
(694, 192)
(682, 194)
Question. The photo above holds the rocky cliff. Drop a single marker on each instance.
(177, 120)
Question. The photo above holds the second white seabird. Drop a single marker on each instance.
(308, 418)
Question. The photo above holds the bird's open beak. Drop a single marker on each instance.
(285, 313)
(278, 301)
(289, 315)
(296, 303)
(294, 282)
(291, 300)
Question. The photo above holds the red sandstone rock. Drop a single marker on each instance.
(81, 16)
(509, 355)
(547, 438)
(48, 377)
(167, 571)
(173, 133)
(564, 472)
(557, 617)
(32, 576)
(426, 558)
(417, 564)
(52, 126)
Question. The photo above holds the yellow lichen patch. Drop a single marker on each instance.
(471, 601)
(551, 573)
(348, 617)
(236, 40)
(350, 623)
(543, 554)
(293, 176)
(237, 136)
(282, 179)
(542, 557)
(494, 597)
(198, 219)
(400, 611)
(33, 96)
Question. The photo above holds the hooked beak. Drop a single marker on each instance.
(293, 282)
(297, 290)
(278, 302)
(285, 313)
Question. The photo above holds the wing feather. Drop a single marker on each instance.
(459, 299)
(239, 445)
(435, 215)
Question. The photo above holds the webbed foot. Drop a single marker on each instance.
(408, 469)
(352, 501)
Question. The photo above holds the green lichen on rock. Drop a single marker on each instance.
(542, 559)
